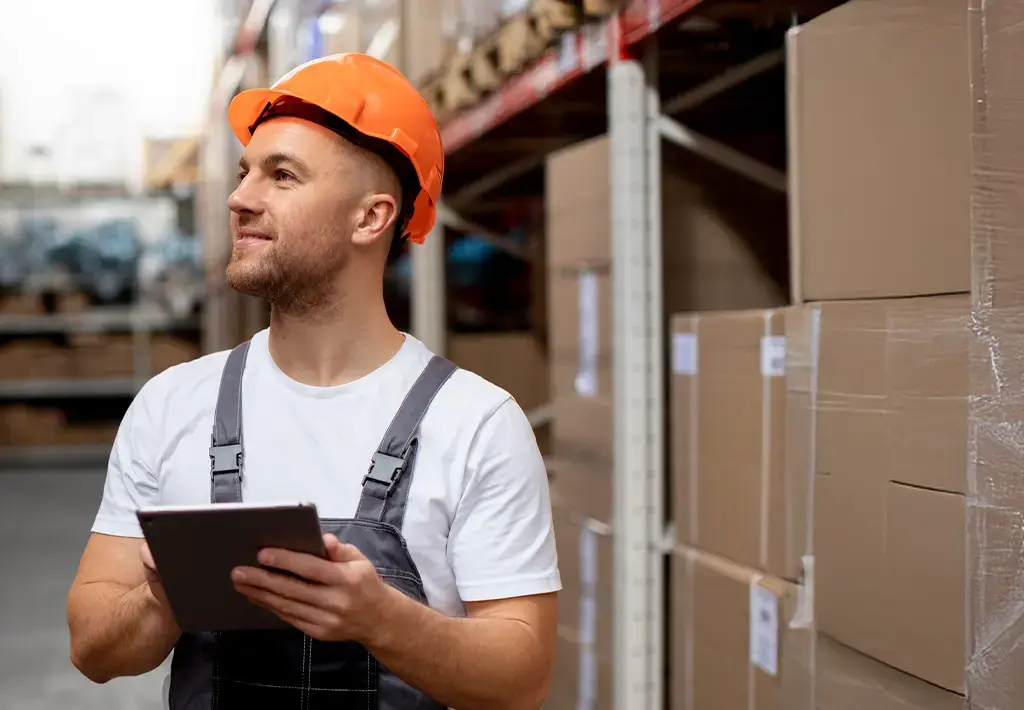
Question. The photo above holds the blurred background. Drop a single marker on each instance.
(720, 251)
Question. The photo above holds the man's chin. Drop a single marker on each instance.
(244, 281)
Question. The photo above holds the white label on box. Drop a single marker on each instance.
(684, 353)
(588, 619)
(588, 556)
(764, 629)
(586, 376)
(587, 691)
(773, 355)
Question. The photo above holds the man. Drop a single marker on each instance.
(441, 585)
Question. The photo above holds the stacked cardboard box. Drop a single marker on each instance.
(995, 502)
(711, 266)
(819, 451)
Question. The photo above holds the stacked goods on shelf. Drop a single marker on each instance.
(882, 212)
(353, 27)
(46, 368)
(708, 266)
(740, 517)
(497, 40)
(883, 398)
(821, 478)
(515, 361)
(995, 503)
(91, 356)
(879, 151)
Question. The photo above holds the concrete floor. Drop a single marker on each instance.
(44, 523)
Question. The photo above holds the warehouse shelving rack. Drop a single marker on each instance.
(611, 76)
(141, 322)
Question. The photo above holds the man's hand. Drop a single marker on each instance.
(335, 599)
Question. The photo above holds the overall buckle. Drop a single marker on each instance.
(385, 469)
(226, 458)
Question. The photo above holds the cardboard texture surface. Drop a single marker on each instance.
(847, 680)
(731, 644)
(995, 500)
(887, 399)
(879, 113)
(728, 416)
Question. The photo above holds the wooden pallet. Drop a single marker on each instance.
(40, 303)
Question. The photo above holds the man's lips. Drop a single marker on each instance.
(252, 236)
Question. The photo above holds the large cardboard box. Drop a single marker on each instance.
(727, 418)
(879, 124)
(888, 449)
(737, 641)
(995, 502)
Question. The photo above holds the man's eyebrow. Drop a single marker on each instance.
(273, 160)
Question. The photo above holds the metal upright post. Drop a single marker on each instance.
(655, 359)
(636, 325)
(427, 291)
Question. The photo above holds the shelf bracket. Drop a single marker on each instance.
(449, 218)
(723, 155)
(723, 82)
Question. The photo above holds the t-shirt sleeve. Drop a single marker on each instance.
(132, 472)
(502, 543)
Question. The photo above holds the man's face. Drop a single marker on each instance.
(292, 215)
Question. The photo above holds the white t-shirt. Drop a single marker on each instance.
(478, 520)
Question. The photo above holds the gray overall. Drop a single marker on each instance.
(287, 669)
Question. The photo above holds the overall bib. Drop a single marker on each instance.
(285, 669)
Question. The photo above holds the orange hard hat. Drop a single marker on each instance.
(369, 102)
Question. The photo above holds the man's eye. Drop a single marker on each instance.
(241, 175)
(283, 175)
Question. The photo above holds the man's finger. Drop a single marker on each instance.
(306, 566)
(279, 584)
(290, 610)
(343, 552)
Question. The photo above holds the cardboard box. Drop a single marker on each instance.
(732, 642)
(847, 680)
(728, 416)
(584, 652)
(889, 455)
(879, 125)
(995, 507)
(515, 361)
(710, 262)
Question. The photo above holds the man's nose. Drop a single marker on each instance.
(247, 197)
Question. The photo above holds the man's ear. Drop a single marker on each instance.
(378, 216)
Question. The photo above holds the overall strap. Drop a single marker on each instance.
(386, 484)
(226, 442)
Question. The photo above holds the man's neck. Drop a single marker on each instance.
(335, 347)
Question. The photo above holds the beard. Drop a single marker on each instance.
(296, 284)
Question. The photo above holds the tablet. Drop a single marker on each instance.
(196, 547)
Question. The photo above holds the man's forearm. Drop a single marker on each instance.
(117, 632)
(463, 663)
